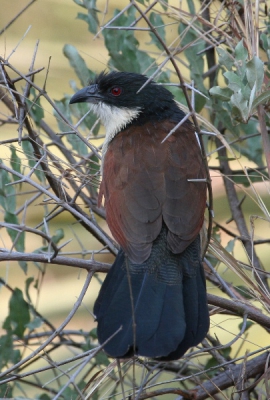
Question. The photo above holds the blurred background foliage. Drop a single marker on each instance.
(52, 233)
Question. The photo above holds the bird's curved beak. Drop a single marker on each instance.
(89, 94)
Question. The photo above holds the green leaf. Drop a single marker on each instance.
(19, 315)
(123, 46)
(255, 73)
(265, 40)
(251, 148)
(191, 7)
(213, 362)
(158, 23)
(35, 107)
(240, 103)
(36, 323)
(45, 396)
(196, 62)
(178, 94)
(15, 162)
(92, 171)
(91, 18)
(90, 121)
(261, 99)
(80, 3)
(29, 153)
(248, 325)
(246, 92)
(216, 233)
(102, 359)
(241, 52)
(7, 192)
(164, 4)
(93, 333)
(146, 62)
(77, 144)
(71, 393)
(224, 94)
(78, 64)
(23, 265)
(7, 352)
(241, 55)
(224, 58)
(27, 286)
(251, 98)
(234, 81)
(243, 291)
(16, 236)
(253, 177)
(5, 389)
(230, 246)
(59, 235)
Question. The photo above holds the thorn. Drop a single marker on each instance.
(240, 202)
(202, 132)
(197, 180)
(177, 126)
(229, 220)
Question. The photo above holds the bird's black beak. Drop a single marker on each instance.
(89, 94)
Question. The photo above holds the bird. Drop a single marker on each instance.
(153, 301)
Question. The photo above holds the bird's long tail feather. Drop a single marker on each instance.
(160, 304)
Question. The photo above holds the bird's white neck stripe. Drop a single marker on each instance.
(114, 119)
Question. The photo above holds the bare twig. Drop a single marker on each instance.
(17, 16)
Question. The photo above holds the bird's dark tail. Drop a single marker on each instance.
(160, 304)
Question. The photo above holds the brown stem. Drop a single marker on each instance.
(238, 216)
(229, 378)
(265, 136)
(89, 265)
(240, 308)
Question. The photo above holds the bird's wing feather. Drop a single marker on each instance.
(145, 183)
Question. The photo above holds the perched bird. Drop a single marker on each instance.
(154, 189)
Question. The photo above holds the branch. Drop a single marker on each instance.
(229, 378)
(238, 216)
(88, 265)
(161, 392)
(240, 308)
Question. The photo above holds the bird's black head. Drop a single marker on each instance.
(123, 91)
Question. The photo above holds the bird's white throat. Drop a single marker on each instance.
(114, 120)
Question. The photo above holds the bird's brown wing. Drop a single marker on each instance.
(145, 183)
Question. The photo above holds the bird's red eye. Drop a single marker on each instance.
(116, 91)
